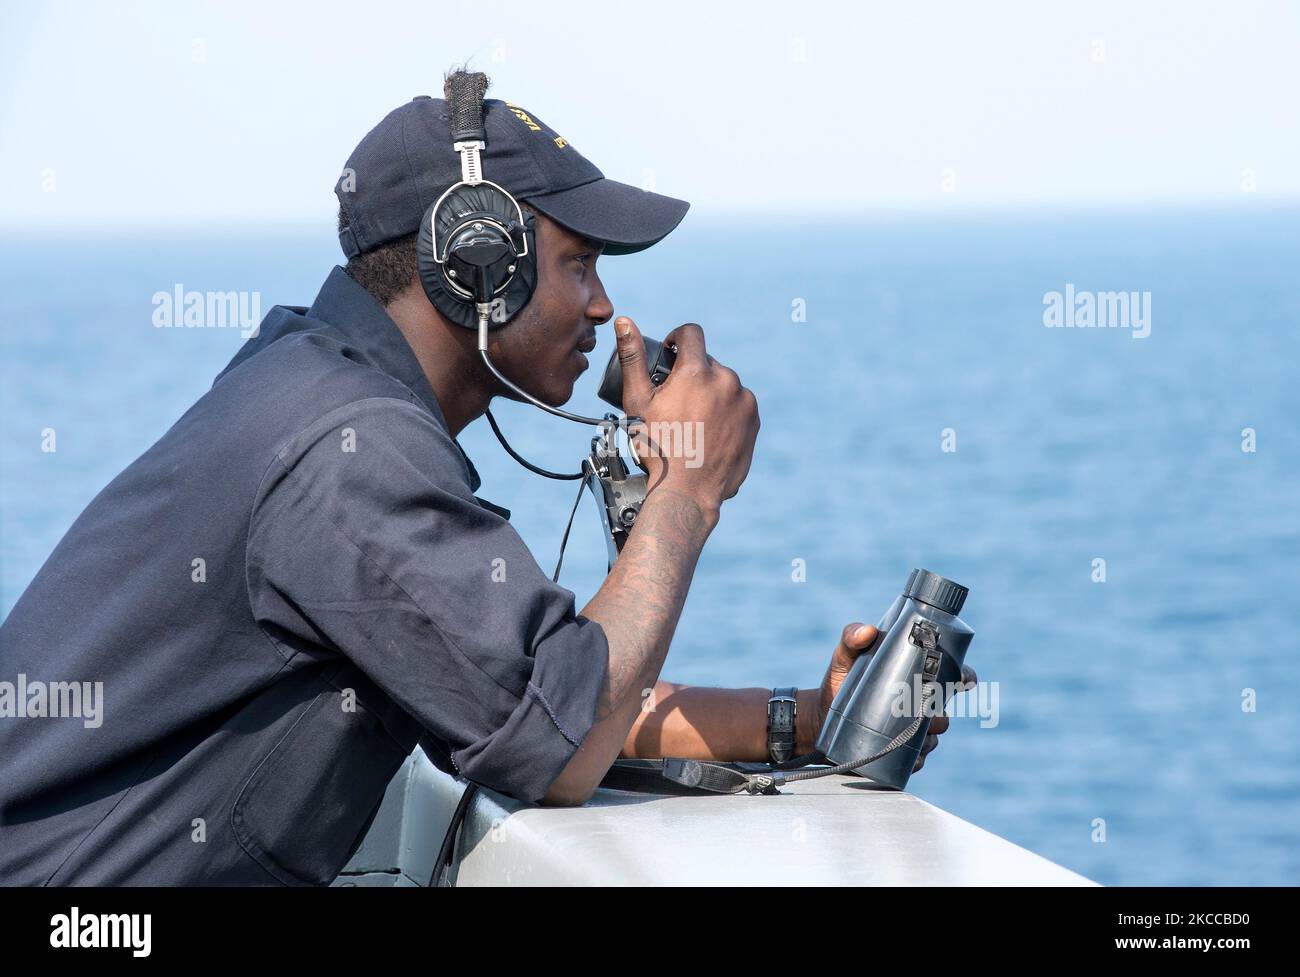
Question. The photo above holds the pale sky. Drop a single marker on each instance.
(183, 113)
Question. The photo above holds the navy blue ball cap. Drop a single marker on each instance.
(404, 164)
(627, 218)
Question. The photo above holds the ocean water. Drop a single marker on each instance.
(1146, 726)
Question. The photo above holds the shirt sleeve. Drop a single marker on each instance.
(365, 537)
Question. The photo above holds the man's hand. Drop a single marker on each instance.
(860, 639)
(701, 393)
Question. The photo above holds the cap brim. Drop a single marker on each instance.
(627, 218)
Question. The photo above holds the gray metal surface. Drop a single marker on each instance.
(830, 831)
(403, 841)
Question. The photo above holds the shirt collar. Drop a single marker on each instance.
(358, 317)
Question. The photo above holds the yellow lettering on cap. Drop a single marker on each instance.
(527, 120)
(522, 116)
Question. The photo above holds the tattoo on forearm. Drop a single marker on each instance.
(645, 592)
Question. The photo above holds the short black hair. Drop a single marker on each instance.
(390, 268)
(386, 270)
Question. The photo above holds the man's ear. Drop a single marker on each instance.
(538, 217)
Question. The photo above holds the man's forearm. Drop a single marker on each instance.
(714, 724)
(637, 607)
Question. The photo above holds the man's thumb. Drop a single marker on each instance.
(637, 387)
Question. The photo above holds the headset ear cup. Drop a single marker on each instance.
(525, 283)
(430, 270)
(461, 204)
(451, 305)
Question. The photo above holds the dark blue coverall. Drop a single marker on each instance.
(354, 599)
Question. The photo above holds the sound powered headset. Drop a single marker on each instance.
(477, 250)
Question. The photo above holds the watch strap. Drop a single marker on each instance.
(781, 709)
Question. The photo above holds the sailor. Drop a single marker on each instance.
(357, 598)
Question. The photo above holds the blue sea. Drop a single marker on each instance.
(916, 411)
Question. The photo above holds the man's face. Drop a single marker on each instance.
(539, 348)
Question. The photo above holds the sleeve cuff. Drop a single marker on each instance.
(526, 755)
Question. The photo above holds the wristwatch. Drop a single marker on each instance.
(780, 724)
